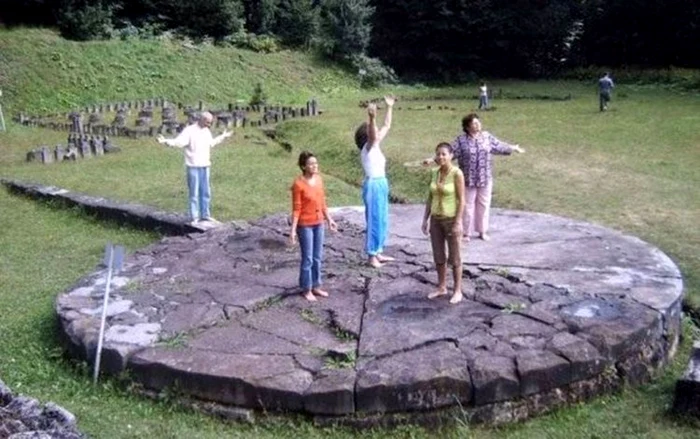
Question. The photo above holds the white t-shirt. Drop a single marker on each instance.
(483, 90)
(373, 162)
(197, 142)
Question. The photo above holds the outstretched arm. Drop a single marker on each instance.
(503, 148)
(220, 138)
(371, 125)
(389, 100)
(178, 142)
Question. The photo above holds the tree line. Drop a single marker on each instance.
(446, 39)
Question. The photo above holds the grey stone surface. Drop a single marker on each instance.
(555, 311)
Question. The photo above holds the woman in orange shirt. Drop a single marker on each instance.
(309, 211)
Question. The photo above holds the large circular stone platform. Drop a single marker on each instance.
(557, 311)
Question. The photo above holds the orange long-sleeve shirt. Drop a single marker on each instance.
(308, 201)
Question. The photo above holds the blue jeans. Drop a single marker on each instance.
(483, 102)
(199, 192)
(375, 195)
(311, 243)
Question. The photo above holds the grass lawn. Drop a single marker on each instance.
(633, 168)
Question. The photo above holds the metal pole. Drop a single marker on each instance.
(104, 315)
(2, 120)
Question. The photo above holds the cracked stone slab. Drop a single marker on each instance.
(555, 310)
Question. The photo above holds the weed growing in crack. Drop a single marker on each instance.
(335, 360)
(513, 307)
(177, 340)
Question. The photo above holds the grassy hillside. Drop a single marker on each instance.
(40, 72)
(633, 169)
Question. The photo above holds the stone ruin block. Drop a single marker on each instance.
(59, 153)
(84, 147)
(72, 153)
(225, 118)
(687, 395)
(143, 121)
(119, 120)
(94, 118)
(96, 146)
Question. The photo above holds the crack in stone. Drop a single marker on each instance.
(569, 270)
(451, 340)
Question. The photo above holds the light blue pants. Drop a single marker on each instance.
(483, 102)
(311, 243)
(375, 195)
(199, 192)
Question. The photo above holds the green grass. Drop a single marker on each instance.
(633, 169)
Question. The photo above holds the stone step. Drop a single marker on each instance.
(687, 399)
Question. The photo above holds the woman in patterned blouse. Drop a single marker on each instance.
(473, 151)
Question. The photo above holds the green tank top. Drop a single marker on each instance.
(444, 201)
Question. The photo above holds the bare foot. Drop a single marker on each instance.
(374, 262)
(438, 293)
(485, 237)
(310, 296)
(319, 292)
(456, 298)
(382, 258)
(466, 238)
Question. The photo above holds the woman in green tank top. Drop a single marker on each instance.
(443, 220)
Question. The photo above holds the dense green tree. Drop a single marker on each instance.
(456, 38)
(213, 18)
(260, 15)
(345, 27)
(35, 12)
(641, 32)
(84, 19)
(297, 22)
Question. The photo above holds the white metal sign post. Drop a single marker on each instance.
(114, 259)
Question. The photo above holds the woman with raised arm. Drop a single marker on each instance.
(375, 188)
(309, 211)
(443, 220)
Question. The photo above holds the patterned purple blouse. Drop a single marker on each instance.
(473, 155)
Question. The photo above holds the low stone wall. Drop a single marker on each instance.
(129, 213)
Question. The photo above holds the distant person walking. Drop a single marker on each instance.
(375, 188)
(197, 141)
(443, 220)
(605, 86)
(309, 211)
(483, 96)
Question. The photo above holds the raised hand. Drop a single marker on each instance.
(372, 110)
(389, 100)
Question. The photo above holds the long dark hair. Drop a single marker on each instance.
(361, 135)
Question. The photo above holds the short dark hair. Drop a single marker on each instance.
(361, 135)
(467, 120)
(304, 157)
(445, 145)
